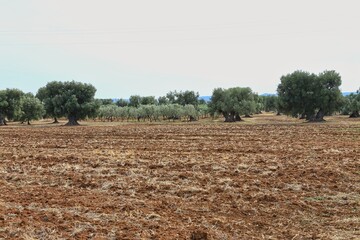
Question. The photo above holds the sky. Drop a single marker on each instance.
(152, 47)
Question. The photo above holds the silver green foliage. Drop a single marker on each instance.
(151, 112)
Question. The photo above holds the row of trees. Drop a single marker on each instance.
(182, 98)
(18, 106)
(174, 105)
(300, 94)
(73, 100)
(152, 112)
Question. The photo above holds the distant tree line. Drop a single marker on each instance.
(152, 112)
(175, 105)
(300, 94)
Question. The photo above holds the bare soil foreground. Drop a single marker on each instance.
(266, 178)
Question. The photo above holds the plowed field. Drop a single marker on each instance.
(266, 178)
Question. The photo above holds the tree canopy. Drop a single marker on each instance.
(50, 96)
(122, 102)
(182, 98)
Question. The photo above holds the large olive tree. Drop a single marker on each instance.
(74, 100)
(232, 103)
(309, 95)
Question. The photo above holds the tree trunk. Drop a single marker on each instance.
(278, 114)
(192, 119)
(229, 117)
(28, 122)
(319, 117)
(2, 121)
(55, 120)
(303, 116)
(72, 121)
(238, 118)
(355, 114)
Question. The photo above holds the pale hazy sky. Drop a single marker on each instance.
(152, 47)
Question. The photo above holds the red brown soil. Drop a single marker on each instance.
(264, 180)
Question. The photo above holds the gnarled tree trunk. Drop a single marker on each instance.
(319, 117)
(229, 117)
(2, 120)
(55, 120)
(192, 119)
(72, 121)
(232, 117)
(355, 114)
(238, 118)
(303, 116)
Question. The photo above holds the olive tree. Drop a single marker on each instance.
(271, 103)
(146, 112)
(134, 101)
(182, 98)
(31, 108)
(10, 104)
(109, 112)
(308, 95)
(163, 100)
(171, 111)
(148, 100)
(74, 100)
(50, 96)
(122, 102)
(78, 101)
(232, 103)
(352, 105)
(203, 110)
(190, 112)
